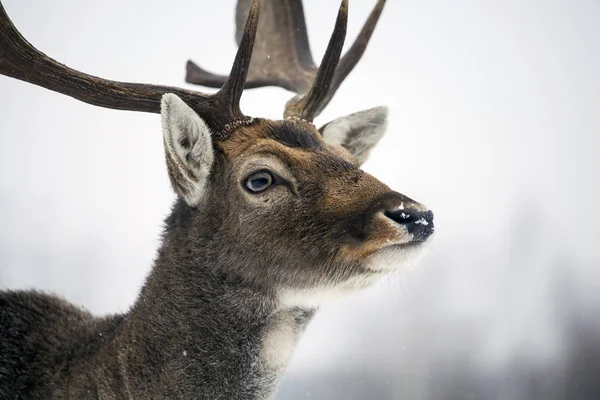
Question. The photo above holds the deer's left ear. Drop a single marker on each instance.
(358, 132)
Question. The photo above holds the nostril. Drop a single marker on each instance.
(418, 223)
(401, 216)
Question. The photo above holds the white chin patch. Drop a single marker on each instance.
(398, 257)
(315, 297)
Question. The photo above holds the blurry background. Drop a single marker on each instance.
(494, 125)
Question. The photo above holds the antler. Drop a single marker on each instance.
(282, 55)
(21, 60)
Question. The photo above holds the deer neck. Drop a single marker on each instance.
(195, 332)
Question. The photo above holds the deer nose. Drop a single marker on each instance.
(417, 223)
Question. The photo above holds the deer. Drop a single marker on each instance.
(271, 220)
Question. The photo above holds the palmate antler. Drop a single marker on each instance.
(282, 28)
(282, 55)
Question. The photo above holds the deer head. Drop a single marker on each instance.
(279, 204)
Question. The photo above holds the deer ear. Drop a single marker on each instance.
(188, 148)
(358, 132)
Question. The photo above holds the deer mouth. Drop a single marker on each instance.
(404, 246)
(399, 256)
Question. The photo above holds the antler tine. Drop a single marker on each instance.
(354, 54)
(306, 107)
(231, 92)
(19, 59)
(197, 75)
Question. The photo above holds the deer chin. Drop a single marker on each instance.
(391, 258)
(398, 256)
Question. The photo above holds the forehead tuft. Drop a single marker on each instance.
(292, 134)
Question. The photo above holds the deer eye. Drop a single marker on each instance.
(259, 182)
